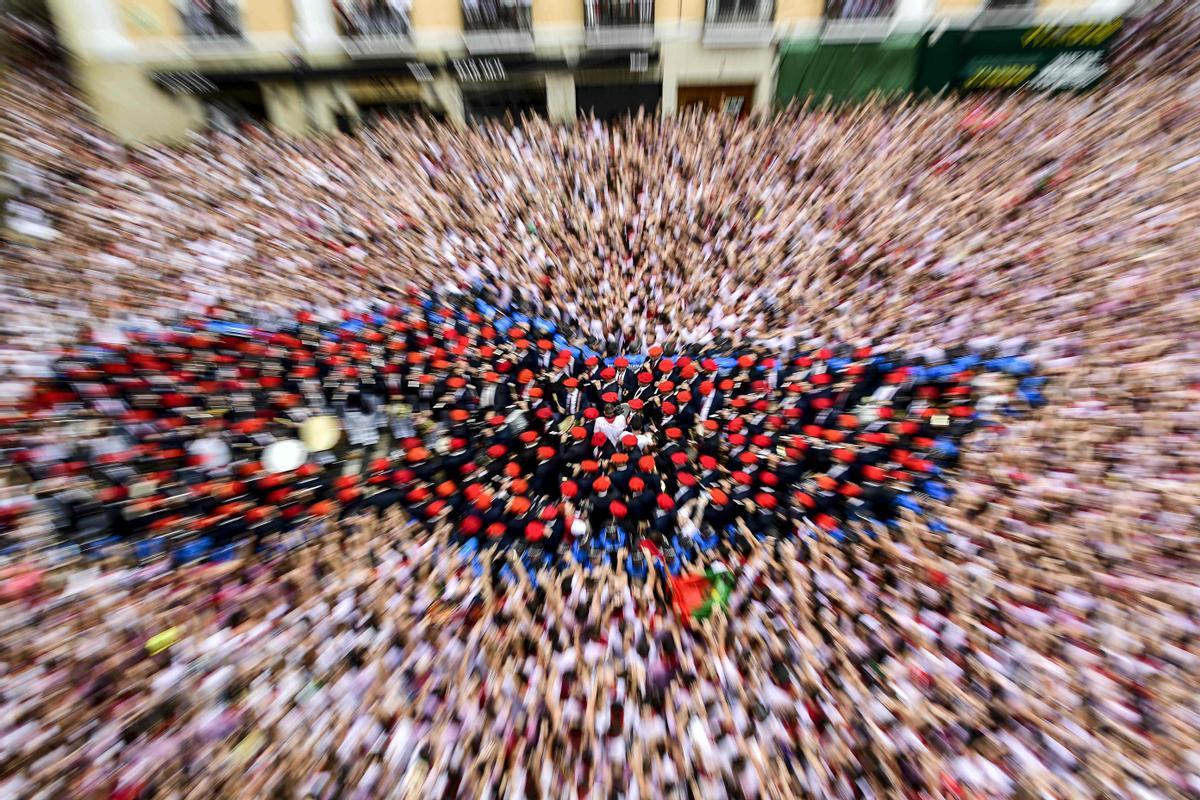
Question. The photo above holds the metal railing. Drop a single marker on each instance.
(859, 9)
(740, 12)
(497, 15)
(211, 19)
(618, 13)
(373, 18)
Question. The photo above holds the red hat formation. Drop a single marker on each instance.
(767, 438)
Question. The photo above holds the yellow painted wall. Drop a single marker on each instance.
(267, 16)
(429, 14)
(149, 19)
(684, 9)
(958, 6)
(132, 107)
(557, 12)
(787, 10)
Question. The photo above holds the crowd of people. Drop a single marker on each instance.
(841, 453)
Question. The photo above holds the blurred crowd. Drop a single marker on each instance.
(940, 366)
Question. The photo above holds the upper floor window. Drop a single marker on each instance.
(859, 9)
(211, 18)
(373, 17)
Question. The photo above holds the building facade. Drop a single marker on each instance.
(157, 69)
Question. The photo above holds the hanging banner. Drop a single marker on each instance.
(1039, 58)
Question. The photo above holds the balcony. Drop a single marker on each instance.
(739, 23)
(1007, 13)
(213, 26)
(497, 26)
(619, 24)
(374, 27)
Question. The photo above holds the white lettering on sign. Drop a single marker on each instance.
(639, 62)
(1070, 71)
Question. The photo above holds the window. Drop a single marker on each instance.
(859, 9)
(211, 19)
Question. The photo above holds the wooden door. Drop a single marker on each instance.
(735, 99)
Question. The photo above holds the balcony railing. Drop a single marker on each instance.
(739, 23)
(211, 21)
(497, 26)
(859, 9)
(619, 24)
(1007, 12)
(375, 27)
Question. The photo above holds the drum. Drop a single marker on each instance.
(284, 456)
(211, 452)
(320, 433)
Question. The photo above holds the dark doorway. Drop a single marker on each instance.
(611, 101)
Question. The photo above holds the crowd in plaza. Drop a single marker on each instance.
(840, 453)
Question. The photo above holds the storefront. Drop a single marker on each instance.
(846, 72)
(1042, 57)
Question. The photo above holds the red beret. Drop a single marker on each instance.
(535, 531)
(629, 440)
(598, 439)
(645, 377)
(602, 484)
(545, 452)
(665, 502)
(578, 432)
(528, 437)
(621, 362)
(718, 497)
(636, 484)
(609, 397)
(570, 489)
(618, 509)
(687, 479)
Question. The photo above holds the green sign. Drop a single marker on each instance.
(1044, 57)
